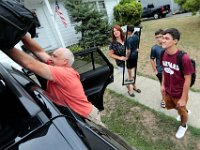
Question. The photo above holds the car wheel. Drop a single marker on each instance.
(163, 16)
(156, 16)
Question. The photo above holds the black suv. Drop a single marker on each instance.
(29, 120)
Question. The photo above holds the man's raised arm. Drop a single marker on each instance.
(35, 48)
(30, 63)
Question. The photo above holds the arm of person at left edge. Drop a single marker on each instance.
(35, 48)
(30, 63)
(186, 87)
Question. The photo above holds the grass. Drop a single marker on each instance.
(190, 34)
(189, 42)
(144, 128)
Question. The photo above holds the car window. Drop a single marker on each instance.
(88, 62)
(15, 121)
(12, 115)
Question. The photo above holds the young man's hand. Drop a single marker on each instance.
(181, 103)
(163, 89)
(156, 72)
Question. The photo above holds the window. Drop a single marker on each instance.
(88, 62)
(102, 8)
(97, 5)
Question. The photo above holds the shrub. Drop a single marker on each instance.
(128, 12)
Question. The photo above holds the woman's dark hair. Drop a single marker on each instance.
(173, 32)
(118, 28)
(159, 31)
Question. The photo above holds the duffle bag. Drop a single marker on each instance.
(15, 22)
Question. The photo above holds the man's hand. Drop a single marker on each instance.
(183, 100)
(35, 48)
(30, 63)
(156, 72)
(181, 103)
(163, 89)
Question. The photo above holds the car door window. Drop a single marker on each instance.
(13, 118)
(88, 62)
(96, 72)
(15, 121)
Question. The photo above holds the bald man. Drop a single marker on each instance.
(63, 81)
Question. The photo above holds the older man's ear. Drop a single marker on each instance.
(66, 61)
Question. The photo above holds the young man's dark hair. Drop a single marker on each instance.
(160, 31)
(173, 32)
(130, 28)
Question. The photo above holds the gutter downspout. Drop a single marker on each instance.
(172, 4)
(54, 23)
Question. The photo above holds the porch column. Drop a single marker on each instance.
(54, 22)
(172, 4)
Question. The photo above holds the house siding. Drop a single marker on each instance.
(5, 59)
(110, 4)
(47, 36)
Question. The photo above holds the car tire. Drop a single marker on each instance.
(163, 16)
(156, 16)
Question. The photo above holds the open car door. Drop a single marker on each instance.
(96, 73)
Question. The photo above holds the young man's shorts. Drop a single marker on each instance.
(171, 103)
(131, 63)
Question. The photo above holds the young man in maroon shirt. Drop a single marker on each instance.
(175, 86)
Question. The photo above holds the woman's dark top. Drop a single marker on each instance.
(119, 50)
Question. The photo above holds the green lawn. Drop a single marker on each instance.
(145, 128)
(141, 126)
(190, 35)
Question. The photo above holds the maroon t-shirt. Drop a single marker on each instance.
(173, 78)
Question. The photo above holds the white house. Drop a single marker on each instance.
(53, 34)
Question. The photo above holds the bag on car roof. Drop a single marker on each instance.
(15, 22)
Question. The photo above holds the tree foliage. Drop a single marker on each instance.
(128, 12)
(190, 5)
(89, 22)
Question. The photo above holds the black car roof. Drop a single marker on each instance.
(17, 90)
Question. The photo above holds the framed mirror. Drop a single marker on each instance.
(132, 42)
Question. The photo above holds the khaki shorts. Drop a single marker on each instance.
(95, 116)
(171, 103)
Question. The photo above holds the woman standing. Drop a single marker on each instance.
(117, 50)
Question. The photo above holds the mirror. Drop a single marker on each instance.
(132, 43)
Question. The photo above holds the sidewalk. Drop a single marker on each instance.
(151, 97)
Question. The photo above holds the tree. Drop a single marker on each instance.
(128, 12)
(190, 5)
(90, 23)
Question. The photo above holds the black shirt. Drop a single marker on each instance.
(119, 50)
